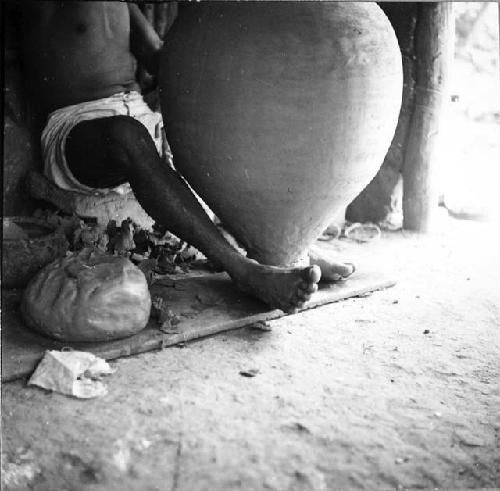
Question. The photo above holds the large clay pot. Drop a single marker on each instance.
(280, 113)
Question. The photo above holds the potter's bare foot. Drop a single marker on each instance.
(331, 268)
(287, 289)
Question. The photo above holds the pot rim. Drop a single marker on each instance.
(53, 231)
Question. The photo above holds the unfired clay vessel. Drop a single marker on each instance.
(23, 257)
(280, 113)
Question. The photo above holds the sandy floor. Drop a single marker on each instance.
(400, 389)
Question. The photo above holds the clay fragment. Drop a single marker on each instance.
(73, 373)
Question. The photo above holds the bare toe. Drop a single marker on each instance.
(312, 274)
(298, 303)
(303, 296)
(308, 287)
(351, 268)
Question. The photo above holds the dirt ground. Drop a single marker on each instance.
(400, 389)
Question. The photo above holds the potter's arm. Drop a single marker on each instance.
(145, 43)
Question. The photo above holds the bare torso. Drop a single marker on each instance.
(77, 51)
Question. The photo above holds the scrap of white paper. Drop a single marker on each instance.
(74, 373)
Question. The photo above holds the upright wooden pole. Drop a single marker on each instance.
(434, 38)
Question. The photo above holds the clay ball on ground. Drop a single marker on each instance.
(87, 296)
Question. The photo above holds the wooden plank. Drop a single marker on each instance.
(434, 48)
(205, 305)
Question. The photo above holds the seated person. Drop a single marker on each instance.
(81, 60)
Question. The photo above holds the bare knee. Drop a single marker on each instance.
(128, 140)
(127, 133)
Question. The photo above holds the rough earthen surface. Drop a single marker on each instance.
(400, 389)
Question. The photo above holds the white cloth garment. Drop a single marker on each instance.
(62, 121)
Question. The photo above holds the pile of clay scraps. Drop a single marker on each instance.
(156, 252)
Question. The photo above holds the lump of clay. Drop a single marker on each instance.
(89, 296)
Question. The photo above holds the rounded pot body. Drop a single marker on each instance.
(280, 113)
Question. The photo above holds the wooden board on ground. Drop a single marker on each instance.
(202, 305)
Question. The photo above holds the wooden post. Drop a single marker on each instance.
(434, 38)
(161, 16)
(165, 14)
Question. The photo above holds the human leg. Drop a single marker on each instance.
(92, 163)
(125, 145)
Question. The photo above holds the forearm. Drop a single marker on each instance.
(145, 43)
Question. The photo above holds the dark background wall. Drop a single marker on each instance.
(21, 150)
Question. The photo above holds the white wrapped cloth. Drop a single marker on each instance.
(62, 121)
